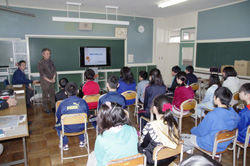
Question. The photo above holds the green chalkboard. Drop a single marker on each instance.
(65, 52)
(222, 53)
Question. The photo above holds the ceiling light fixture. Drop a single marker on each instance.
(167, 3)
(89, 20)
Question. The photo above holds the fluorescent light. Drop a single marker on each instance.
(88, 20)
(167, 3)
(73, 3)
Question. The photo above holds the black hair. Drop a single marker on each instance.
(183, 77)
(71, 89)
(168, 118)
(245, 88)
(214, 79)
(190, 69)
(63, 82)
(156, 77)
(113, 82)
(229, 72)
(176, 69)
(111, 115)
(224, 94)
(89, 74)
(46, 49)
(127, 75)
(20, 62)
(143, 74)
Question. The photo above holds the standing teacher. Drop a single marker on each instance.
(47, 72)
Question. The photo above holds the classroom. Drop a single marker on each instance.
(102, 49)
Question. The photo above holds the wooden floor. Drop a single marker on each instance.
(43, 143)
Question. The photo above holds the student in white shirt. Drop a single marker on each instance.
(143, 75)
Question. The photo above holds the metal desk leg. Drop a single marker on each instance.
(24, 152)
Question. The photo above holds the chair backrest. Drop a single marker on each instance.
(188, 105)
(71, 119)
(194, 86)
(236, 96)
(91, 98)
(129, 95)
(224, 136)
(162, 152)
(247, 136)
(135, 160)
(58, 103)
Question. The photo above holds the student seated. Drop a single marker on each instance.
(90, 87)
(19, 77)
(191, 78)
(244, 113)
(176, 69)
(143, 75)
(71, 105)
(116, 138)
(221, 118)
(162, 131)
(61, 95)
(230, 79)
(156, 87)
(182, 92)
(126, 82)
(112, 95)
(208, 101)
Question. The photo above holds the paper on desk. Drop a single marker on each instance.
(8, 122)
(18, 86)
(19, 91)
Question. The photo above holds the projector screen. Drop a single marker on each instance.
(94, 56)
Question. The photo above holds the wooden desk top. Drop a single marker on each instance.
(19, 109)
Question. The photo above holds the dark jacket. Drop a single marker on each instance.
(191, 78)
(3, 104)
(19, 77)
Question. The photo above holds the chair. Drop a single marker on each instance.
(92, 99)
(223, 136)
(135, 160)
(195, 87)
(162, 152)
(57, 105)
(186, 105)
(130, 95)
(71, 119)
(244, 146)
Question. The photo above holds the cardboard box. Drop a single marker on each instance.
(242, 67)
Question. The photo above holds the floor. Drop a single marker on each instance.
(43, 150)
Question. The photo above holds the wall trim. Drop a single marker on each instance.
(224, 40)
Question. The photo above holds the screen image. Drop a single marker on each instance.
(94, 56)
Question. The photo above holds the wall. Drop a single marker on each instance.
(225, 22)
(17, 26)
(167, 54)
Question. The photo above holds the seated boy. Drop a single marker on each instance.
(90, 87)
(112, 95)
(221, 118)
(71, 105)
(143, 75)
(176, 69)
(244, 113)
(191, 78)
(61, 95)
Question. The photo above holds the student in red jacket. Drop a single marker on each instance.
(182, 92)
(90, 87)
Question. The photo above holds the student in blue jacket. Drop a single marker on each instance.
(126, 82)
(71, 105)
(19, 77)
(222, 117)
(244, 113)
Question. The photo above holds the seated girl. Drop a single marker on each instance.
(116, 138)
(90, 87)
(156, 87)
(208, 101)
(162, 131)
(182, 92)
(126, 83)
